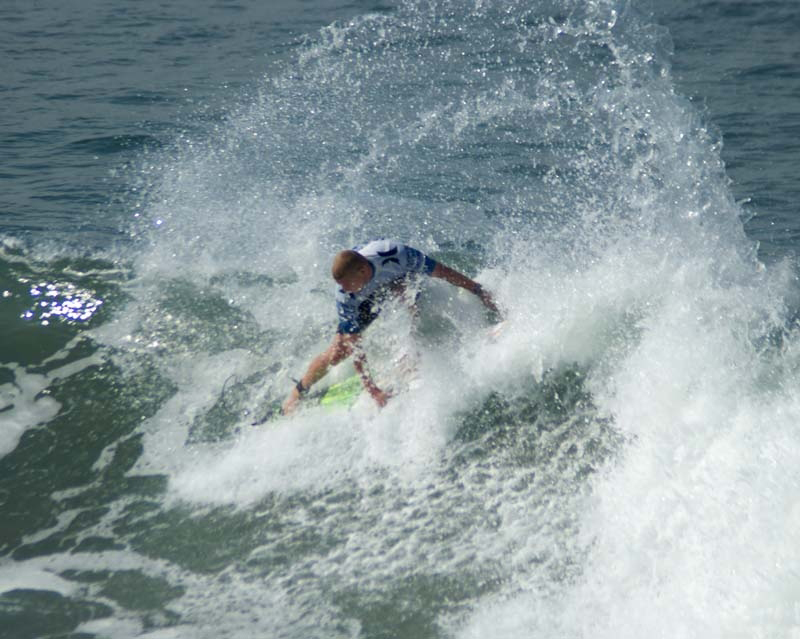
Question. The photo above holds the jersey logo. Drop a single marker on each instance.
(387, 255)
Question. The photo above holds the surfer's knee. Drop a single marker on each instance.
(341, 348)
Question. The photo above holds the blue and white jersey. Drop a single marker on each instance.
(390, 262)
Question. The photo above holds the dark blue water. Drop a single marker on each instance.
(621, 461)
(86, 88)
(739, 63)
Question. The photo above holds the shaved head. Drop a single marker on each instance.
(351, 270)
(347, 263)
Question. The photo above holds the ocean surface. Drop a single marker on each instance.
(621, 460)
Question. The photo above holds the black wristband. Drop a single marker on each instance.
(477, 289)
(302, 390)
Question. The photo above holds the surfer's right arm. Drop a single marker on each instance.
(340, 349)
(360, 364)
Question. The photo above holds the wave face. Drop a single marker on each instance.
(622, 459)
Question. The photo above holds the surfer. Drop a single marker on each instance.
(365, 275)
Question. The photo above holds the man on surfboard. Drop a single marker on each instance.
(364, 275)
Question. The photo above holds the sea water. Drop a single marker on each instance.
(620, 460)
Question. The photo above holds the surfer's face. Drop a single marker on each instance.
(355, 281)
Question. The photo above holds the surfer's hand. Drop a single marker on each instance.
(488, 301)
(381, 397)
(495, 317)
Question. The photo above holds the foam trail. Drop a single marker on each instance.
(23, 407)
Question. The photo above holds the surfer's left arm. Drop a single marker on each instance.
(462, 281)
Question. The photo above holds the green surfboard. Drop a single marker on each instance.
(342, 394)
